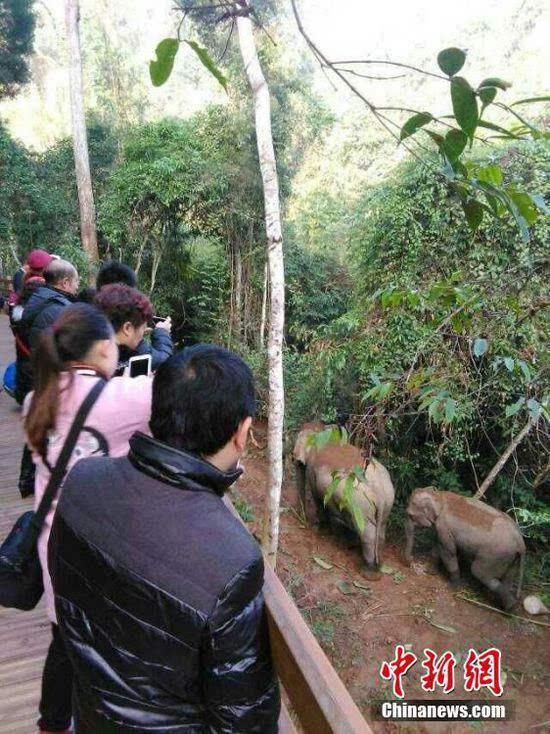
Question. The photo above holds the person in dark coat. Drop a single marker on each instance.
(158, 587)
(130, 312)
(42, 308)
(160, 347)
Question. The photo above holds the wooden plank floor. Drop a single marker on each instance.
(24, 636)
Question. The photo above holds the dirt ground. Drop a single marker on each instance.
(360, 630)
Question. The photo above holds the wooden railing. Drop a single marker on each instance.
(317, 696)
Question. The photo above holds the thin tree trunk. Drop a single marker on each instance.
(237, 254)
(266, 154)
(264, 306)
(512, 446)
(80, 144)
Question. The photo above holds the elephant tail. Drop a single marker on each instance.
(521, 570)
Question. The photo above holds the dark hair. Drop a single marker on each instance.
(115, 272)
(86, 295)
(120, 304)
(200, 395)
(68, 340)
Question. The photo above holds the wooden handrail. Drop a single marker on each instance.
(316, 693)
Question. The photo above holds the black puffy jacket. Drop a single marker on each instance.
(159, 598)
(41, 310)
(160, 348)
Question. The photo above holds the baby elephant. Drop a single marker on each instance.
(485, 536)
(314, 469)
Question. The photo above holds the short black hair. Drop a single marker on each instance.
(200, 396)
(114, 271)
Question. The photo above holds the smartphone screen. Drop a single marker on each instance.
(140, 365)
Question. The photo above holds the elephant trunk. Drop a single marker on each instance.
(409, 535)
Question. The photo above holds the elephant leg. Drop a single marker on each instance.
(368, 545)
(300, 474)
(323, 516)
(507, 592)
(450, 561)
(488, 570)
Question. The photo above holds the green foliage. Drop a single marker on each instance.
(477, 194)
(17, 23)
(442, 352)
(38, 198)
(161, 68)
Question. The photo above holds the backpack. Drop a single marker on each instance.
(8, 381)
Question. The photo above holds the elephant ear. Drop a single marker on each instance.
(430, 505)
(301, 448)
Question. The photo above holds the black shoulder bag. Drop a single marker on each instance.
(20, 571)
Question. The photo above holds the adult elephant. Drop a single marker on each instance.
(374, 496)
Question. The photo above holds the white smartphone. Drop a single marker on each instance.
(140, 365)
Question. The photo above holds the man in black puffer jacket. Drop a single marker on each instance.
(158, 587)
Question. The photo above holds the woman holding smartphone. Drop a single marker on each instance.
(72, 355)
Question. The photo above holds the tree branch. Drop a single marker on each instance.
(512, 446)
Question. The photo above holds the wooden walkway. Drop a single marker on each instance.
(24, 636)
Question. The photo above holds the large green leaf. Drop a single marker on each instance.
(454, 143)
(208, 62)
(451, 60)
(414, 123)
(161, 68)
(464, 105)
(490, 174)
(525, 205)
(474, 213)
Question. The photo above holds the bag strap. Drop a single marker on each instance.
(58, 472)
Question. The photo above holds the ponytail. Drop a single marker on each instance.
(42, 413)
(69, 340)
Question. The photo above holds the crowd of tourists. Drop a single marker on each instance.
(153, 589)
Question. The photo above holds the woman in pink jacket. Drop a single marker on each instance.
(72, 355)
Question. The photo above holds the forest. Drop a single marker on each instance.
(416, 268)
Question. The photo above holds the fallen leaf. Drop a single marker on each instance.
(361, 586)
(345, 588)
(443, 627)
(323, 564)
(384, 568)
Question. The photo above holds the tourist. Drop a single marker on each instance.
(158, 587)
(160, 347)
(130, 312)
(69, 359)
(43, 306)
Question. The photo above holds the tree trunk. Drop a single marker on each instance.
(266, 154)
(512, 446)
(80, 144)
(264, 306)
(238, 270)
